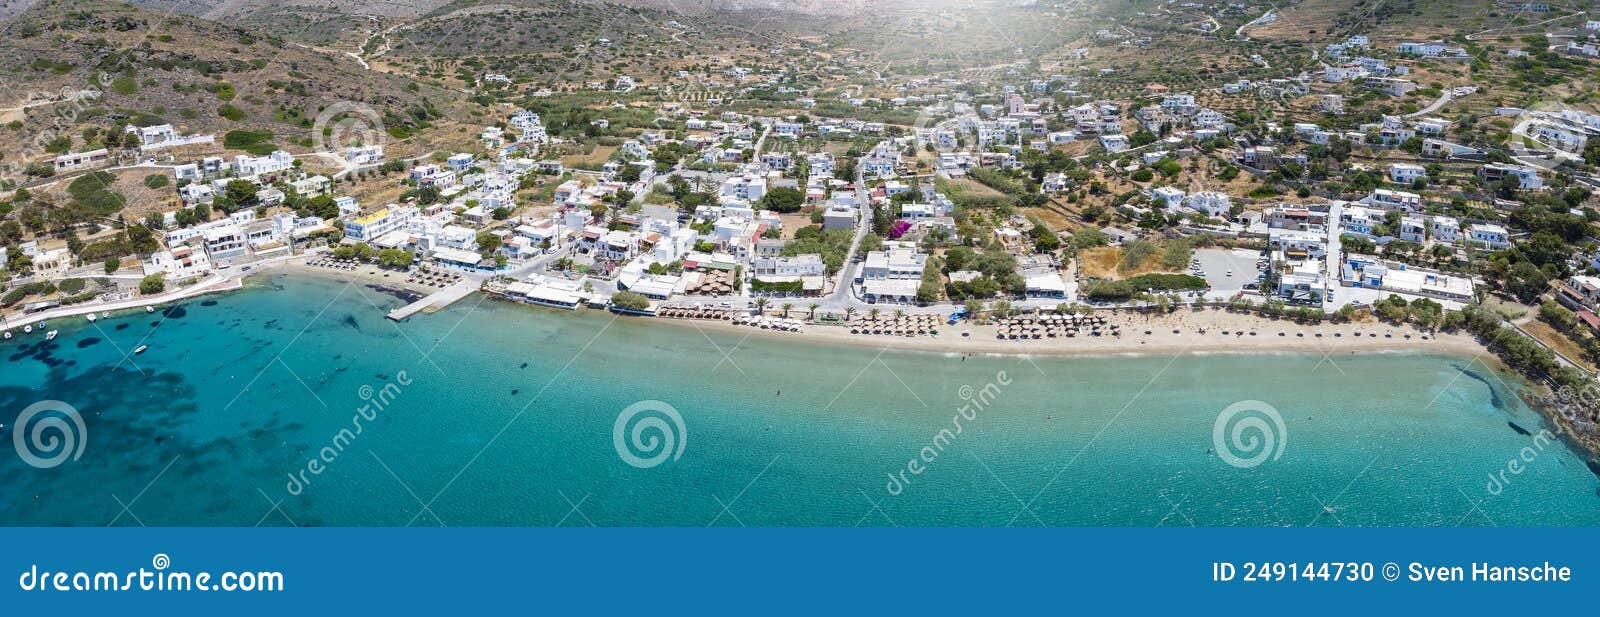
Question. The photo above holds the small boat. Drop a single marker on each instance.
(149, 309)
(141, 349)
(8, 335)
(92, 318)
(27, 329)
(50, 336)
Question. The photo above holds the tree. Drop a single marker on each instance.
(241, 192)
(152, 284)
(112, 264)
(786, 308)
(1526, 281)
(959, 258)
(427, 195)
(630, 300)
(783, 199)
(487, 242)
(814, 306)
(974, 309)
(395, 258)
(761, 305)
(1044, 240)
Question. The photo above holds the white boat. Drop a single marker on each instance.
(50, 336)
(141, 349)
(149, 309)
(8, 335)
(92, 318)
(27, 329)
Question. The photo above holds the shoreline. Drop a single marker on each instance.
(208, 285)
(980, 339)
(1300, 339)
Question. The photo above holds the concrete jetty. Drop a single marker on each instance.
(437, 300)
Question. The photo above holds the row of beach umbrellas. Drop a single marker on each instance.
(336, 264)
(695, 312)
(1057, 320)
(894, 329)
(768, 323)
(432, 279)
(1024, 332)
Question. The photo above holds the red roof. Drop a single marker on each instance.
(1590, 318)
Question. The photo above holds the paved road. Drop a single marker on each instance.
(843, 294)
(1444, 98)
(1239, 32)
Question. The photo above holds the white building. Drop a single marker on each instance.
(225, 242)
(1413, 229)
(1170, 197)
(1212, 203)
(253, 166)
(1445, 229)
(839, 216)
(1406, 173)
(376, 225)
(1527, 176)
(1491, 236)
(894, 263)
(1394, 200)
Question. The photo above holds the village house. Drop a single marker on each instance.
(1489, 236)
(1527, 176)
(1579, 292)
(1445, 229)
(1405, 173)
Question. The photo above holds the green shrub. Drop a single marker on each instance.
(72, 286)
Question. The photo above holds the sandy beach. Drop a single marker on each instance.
(1177, 332)
(370, 274)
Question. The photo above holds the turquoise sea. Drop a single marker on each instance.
(490, 413)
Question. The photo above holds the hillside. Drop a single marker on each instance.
(201, 76)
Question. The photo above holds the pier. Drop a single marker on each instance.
(436, 300)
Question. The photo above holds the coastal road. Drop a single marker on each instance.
(217, 281)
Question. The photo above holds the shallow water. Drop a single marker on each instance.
(501, 414)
